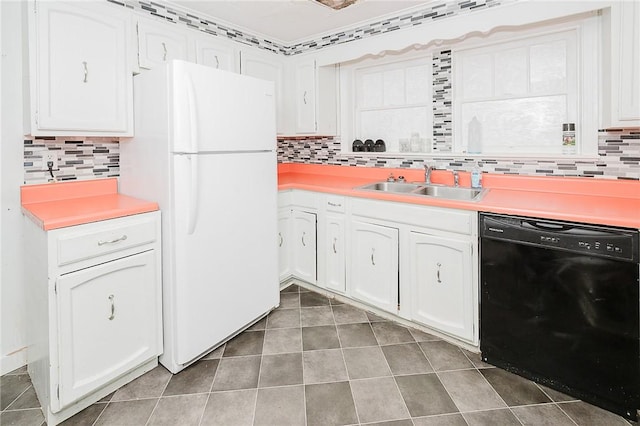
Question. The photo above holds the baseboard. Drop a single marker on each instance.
(12, 361)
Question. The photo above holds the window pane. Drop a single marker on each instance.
(394, 87)
(511, 72)
(393, 124)
(549, 67)
(370, 93)
(477, 76)
(418, 84)
(527, 125)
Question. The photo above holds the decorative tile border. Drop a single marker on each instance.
(619, 158)
(442, 105)
(78, 158)
(438, 10)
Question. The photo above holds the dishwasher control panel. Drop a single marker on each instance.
(618, 243)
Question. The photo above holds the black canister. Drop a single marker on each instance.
(357, 146)
(379, 146)
(368, 145)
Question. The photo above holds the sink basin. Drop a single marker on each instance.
(450, 192)
(427, 190)
(402, 187)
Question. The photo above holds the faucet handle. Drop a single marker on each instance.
(456, 178)
(391, 178)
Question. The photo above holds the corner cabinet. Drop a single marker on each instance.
(303, 245)
(95, 319)
(439, 277)
(297, 236)
(81, 76)
(374, 265)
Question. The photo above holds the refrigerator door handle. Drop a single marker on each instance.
(192, 213)
(193, 115)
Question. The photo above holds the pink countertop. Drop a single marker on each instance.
(57, 205)
(599, 201)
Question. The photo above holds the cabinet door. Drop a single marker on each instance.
(374, 265)
(215, 54)
(160, 42)
(441, 284)
(629, 85)
(335, 253)
(303, 246)
(108, 323)
(266, 67)
(284, 243)
(80, 67)
(306, 98)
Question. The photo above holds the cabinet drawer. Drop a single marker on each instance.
(335, 203)
(96, 240)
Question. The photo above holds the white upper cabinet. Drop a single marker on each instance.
(216, 53)
(621, 82)
(305, 97)
(267, 66)
(81, 81)
(159, 42)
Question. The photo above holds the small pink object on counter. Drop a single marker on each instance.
(576, 199)
(57, 205)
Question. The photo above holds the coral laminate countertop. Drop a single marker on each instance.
(57, 205)
(598, 201)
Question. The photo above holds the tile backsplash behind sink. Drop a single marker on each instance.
(618, 158)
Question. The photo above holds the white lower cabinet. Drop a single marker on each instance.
(374, 265)
(440, 277)
(284, 241)
(303, 245)
(335, 256)
(95, 319)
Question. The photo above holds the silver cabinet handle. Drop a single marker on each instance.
(281, 239)
(303, 243)
(164, 47)
(438, 272)
(115, 240)
(373, 262)
(334, 204)
(113, 308)
(86, 71)
(334, 245)
(217, 62)
(304, 97)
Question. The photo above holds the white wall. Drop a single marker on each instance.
(12, 297)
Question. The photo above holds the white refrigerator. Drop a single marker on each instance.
(205, 150)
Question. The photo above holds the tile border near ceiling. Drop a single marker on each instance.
(436, 11)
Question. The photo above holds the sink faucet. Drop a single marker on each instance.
(427, 173)
(456, 178)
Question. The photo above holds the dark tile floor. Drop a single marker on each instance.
(314, 361)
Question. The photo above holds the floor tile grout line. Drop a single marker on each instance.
(204, 409)
(164, 389)
(18, 397)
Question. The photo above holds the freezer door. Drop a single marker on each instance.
(225, 233)
(215, 110)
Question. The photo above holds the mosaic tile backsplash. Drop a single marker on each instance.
(78, 158)
(436, 11)
(618, 158)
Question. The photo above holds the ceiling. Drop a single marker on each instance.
(291, 21)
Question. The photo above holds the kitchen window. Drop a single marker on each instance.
(391, 100)
(513, 97)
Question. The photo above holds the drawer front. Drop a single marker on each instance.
(96, 239)
(335, 203)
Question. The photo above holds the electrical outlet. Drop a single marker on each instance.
(49, 157)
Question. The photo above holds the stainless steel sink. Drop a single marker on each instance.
(450, 192)
(402, 187)
(427, 190)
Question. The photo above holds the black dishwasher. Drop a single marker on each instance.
(560, 306)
